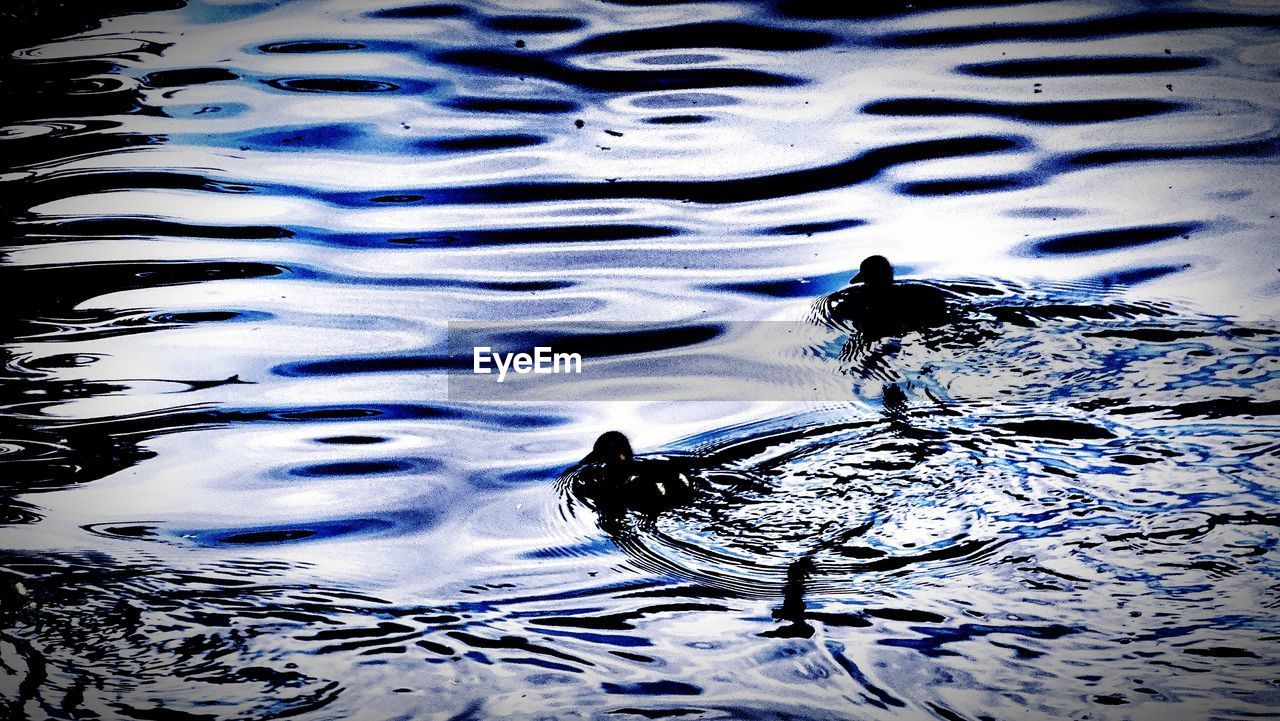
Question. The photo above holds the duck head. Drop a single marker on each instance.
(611, 447)
(875, 273)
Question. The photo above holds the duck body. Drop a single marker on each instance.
(902, 307)
(878, 307)
(614, 481)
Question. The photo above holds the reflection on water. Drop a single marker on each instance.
(232, 486)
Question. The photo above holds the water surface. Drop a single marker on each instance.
(234, 484)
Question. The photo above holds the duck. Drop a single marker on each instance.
(614, 481)
(878, 306)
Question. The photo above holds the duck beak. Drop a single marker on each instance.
(856, 279)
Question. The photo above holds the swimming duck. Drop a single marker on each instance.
(613, 480)
(879, 307)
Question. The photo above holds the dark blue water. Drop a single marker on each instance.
(232, 483)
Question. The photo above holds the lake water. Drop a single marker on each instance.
(234, 484)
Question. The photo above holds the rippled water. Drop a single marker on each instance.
(234, 486)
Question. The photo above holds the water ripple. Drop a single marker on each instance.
(233, 484)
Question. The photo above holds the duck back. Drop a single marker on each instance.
(644, 485)
(900, 308)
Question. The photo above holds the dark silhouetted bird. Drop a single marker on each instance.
(613, 480)
(877, 306)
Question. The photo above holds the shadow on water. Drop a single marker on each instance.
(793, 606)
